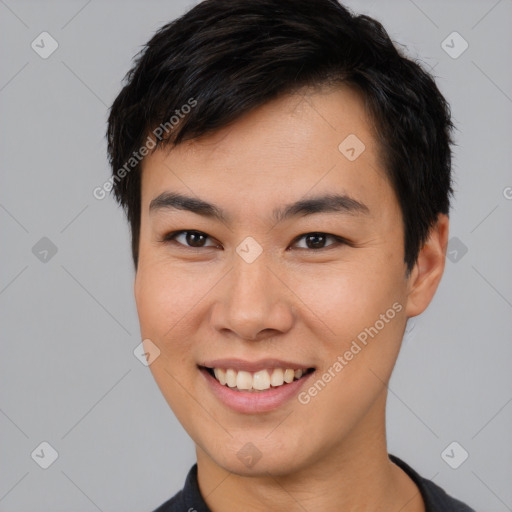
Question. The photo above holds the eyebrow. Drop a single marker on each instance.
(321, 204)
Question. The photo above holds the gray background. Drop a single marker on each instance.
(69, 323)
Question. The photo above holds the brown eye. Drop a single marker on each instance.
(315, 241)
(195, 239)
(318, 240)
(190, 238)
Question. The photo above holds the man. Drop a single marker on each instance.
(286, 175)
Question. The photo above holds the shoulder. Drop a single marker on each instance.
(436, 499)
(189, 499)
(440, 501)
(176, 503)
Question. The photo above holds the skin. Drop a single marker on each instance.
(293, 302)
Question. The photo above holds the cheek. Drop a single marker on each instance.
(165, 298)
(351, 298)
(365, 315)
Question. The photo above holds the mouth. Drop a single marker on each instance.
(260, 381)
(255, 387)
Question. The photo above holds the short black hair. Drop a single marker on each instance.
(231, 56)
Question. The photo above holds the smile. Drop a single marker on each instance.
(259, 381)
(254, 387)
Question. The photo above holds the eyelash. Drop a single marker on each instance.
(170, 237)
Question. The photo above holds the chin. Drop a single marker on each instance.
(260, 456)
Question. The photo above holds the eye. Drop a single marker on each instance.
(190, 238)
(317, 240)
(197, 239)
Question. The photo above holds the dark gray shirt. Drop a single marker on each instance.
(189, 499)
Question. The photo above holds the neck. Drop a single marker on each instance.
(356, 474)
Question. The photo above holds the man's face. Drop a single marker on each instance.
(303, 302)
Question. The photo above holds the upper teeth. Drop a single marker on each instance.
(259, 381)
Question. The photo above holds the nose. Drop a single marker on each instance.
(252, 302)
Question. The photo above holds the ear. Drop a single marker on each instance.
(428, 270)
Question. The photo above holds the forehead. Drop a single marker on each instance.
(314, 141)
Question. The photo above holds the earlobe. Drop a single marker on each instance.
(426, 274)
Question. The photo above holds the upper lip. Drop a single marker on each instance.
(254, 366)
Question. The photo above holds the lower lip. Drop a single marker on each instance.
(255, 402)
